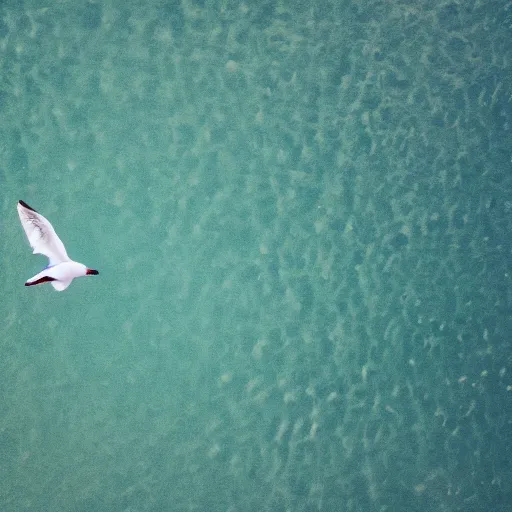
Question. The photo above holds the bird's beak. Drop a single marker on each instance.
(91, 272)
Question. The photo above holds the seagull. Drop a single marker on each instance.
(61, 270)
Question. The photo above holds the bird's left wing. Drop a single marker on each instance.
(41, 235)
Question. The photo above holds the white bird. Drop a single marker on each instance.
(61, 270)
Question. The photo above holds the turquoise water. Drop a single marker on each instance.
(301, 214)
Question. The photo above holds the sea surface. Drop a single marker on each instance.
(301, 212)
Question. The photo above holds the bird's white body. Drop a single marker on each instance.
(61, 269)
(63, 273)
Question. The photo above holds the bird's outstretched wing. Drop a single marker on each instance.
(41, 235)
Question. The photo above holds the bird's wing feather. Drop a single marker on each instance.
(41, 235)
(61, 285)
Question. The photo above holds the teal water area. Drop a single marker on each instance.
(301, 215)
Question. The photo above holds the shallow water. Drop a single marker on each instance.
(301, 215)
